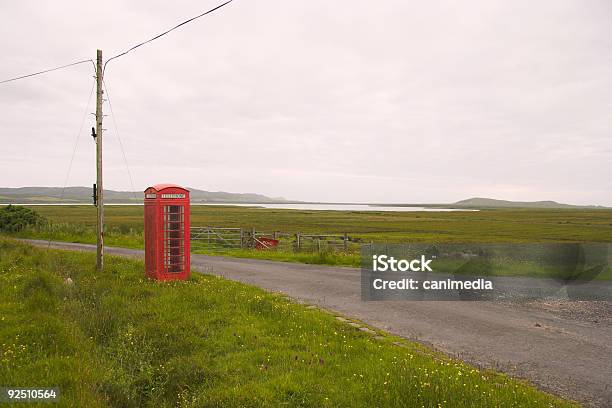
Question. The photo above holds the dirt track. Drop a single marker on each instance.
(563, 347)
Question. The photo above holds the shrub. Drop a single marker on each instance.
(15, 218)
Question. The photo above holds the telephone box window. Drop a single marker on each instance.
(174, 238)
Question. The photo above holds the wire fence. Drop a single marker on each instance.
(219, 239)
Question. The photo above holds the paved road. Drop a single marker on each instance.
(565, 348)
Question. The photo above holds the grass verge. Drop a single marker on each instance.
(116, 339)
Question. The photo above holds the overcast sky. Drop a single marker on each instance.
(386, 101)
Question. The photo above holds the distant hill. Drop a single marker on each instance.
(478, 202)
(50, 195)
(79, 195)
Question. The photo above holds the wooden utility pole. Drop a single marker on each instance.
(99, 185)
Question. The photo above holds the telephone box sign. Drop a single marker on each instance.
(167, 232)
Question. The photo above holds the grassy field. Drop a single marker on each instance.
(125, 227)
(115, 339)
(482, 226)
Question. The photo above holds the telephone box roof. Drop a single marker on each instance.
(160, 187)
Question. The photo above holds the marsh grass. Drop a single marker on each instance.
(486, 226)
(124, 228)
(116, 339)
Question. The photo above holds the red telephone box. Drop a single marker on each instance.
(166, 226)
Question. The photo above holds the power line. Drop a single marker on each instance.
(76, 143)
(47, 70)
(121, 54)
(165, 32)
(110, 105)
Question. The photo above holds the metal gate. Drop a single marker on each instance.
(215, 238)
(219, 239)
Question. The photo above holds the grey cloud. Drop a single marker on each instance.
(390, 101)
